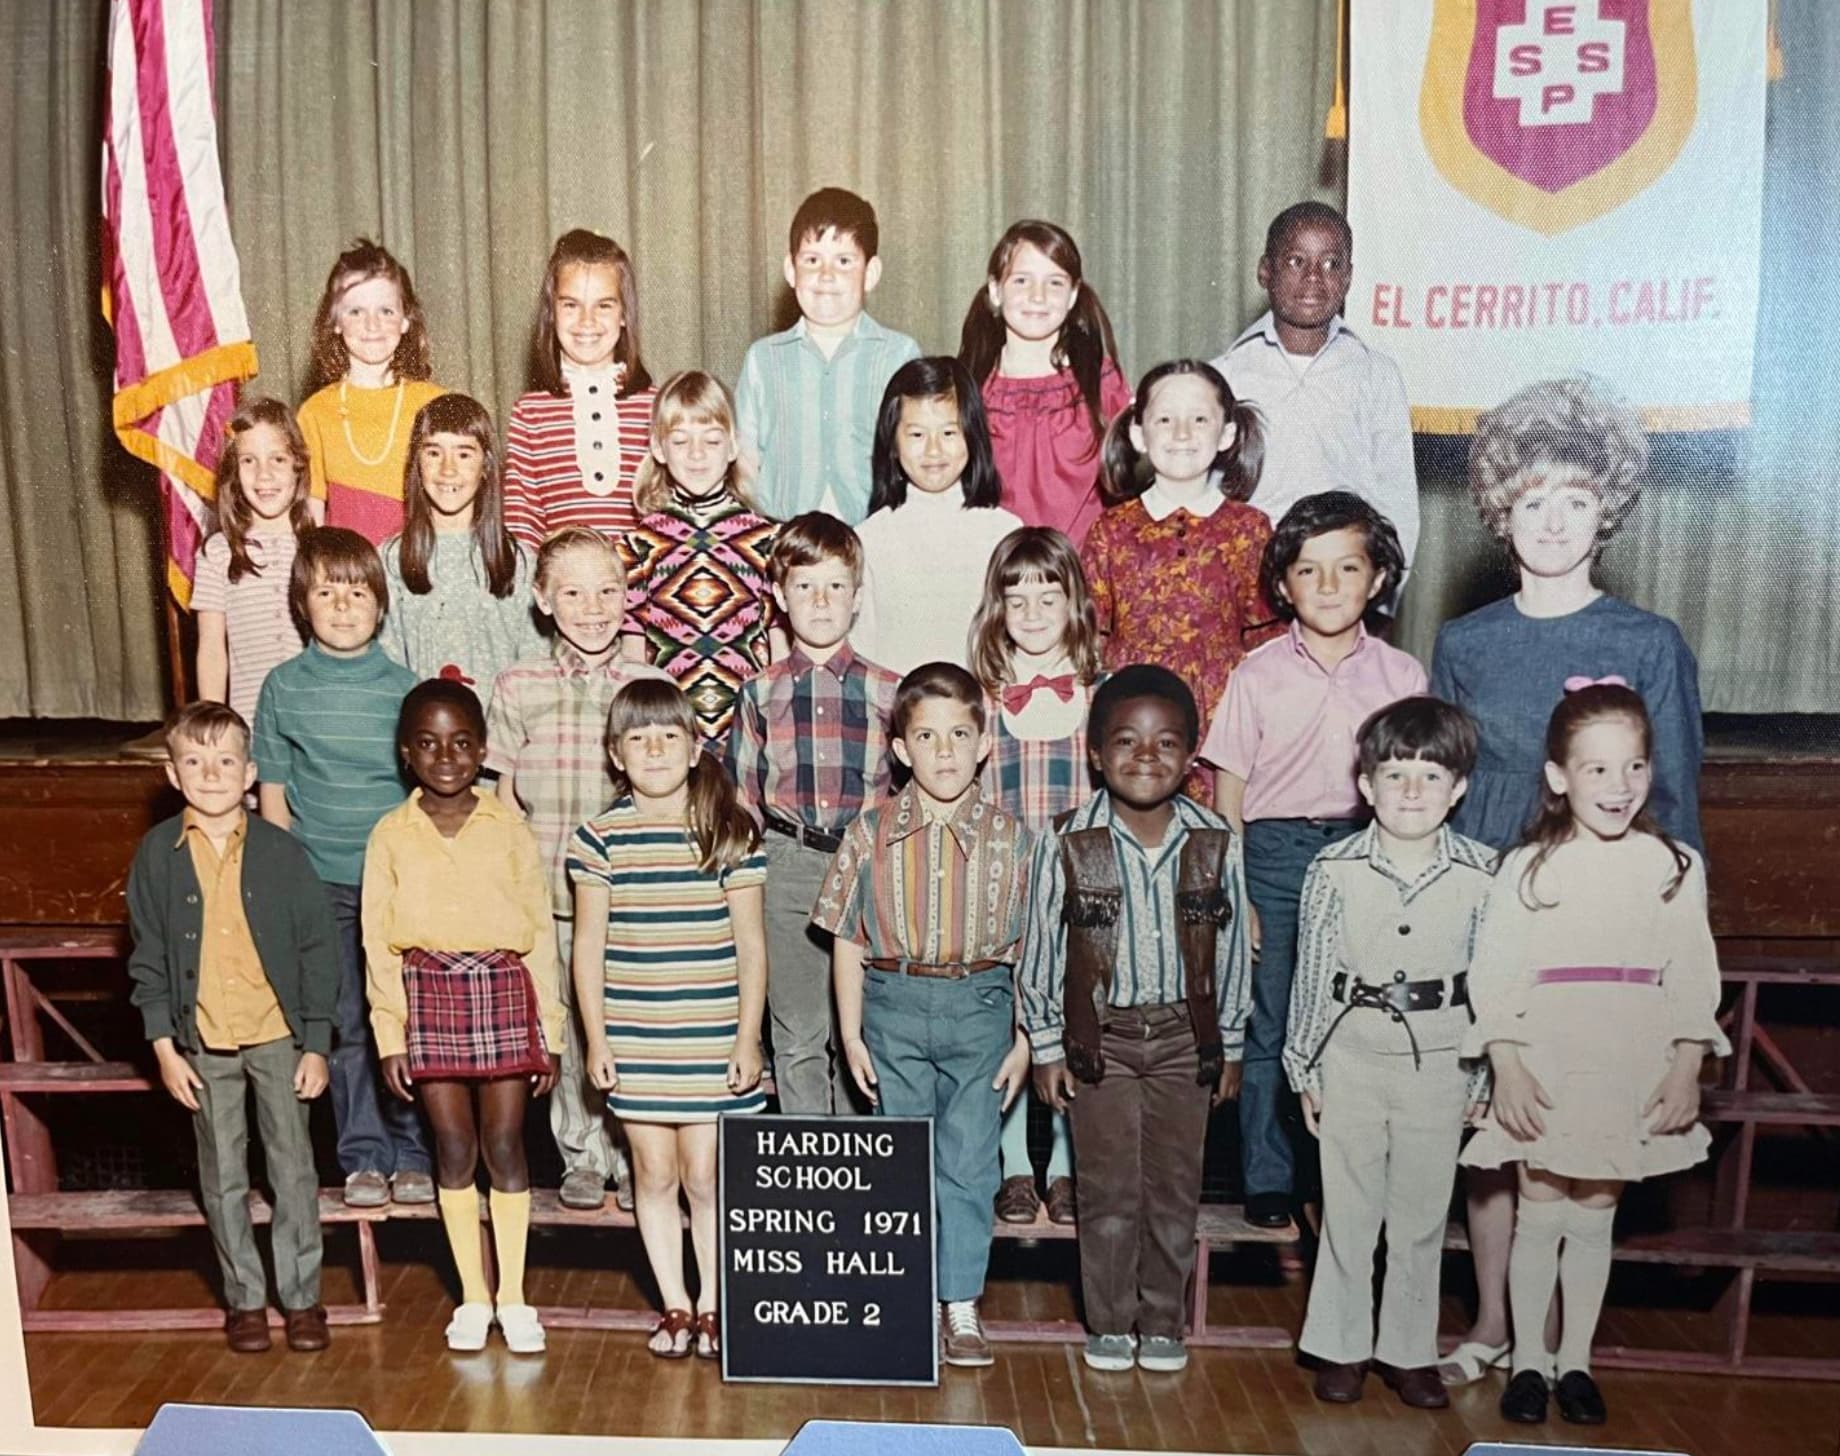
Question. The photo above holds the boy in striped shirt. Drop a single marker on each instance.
(326, 762)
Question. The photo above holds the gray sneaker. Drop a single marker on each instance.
(413, 1185)
(584, 1188)
(1110, 1352)
(367, 1189)
(1162, 1353)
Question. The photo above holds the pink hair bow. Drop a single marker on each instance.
(1579, 680)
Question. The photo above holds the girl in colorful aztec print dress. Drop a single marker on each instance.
(670, 967)
(1174, 566)
(461, 974)
(575, 441)
(698, 598)
(1038, 342)
(1035, 649)
(1595, 991)
(460, 587)
(240, 594)
(367, 378)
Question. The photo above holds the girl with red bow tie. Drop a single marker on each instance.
(1035, 648)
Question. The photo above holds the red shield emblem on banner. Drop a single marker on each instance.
(1554, 112)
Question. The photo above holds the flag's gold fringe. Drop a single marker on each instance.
(217, 365)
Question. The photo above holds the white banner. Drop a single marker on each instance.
(1546, 187)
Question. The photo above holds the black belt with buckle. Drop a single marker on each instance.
(811, 838)
(1396, 997)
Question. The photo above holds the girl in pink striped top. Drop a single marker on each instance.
(575, 442)
(241, 590)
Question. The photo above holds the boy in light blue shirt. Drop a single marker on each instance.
(806, 402)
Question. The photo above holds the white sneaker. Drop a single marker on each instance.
(522, 1329)
(468, 1329)
(962, 1335)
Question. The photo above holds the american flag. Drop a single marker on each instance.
(171, 286)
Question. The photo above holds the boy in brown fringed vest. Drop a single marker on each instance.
(1136, 985)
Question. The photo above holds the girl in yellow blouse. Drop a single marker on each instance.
(462, 981)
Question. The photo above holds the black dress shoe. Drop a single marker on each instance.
(1268, 1210)
(1418, 1386)
(1580, 1401)
(1524, 1401)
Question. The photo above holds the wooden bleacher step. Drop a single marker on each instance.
(1778, 1109)
(73, 1077)
(156, 1208)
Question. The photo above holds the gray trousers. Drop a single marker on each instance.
(578, 1116)
(1389, 1156)
(222, 1126)
(812, 1078)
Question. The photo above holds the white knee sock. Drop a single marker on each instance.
(1584, 1273)
(1533, 1269)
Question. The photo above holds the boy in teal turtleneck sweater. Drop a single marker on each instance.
(325, 751)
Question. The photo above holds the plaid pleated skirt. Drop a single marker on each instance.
(472, 1014)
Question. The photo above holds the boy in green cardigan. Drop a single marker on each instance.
(236, 974)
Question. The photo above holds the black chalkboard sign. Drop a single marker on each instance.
(827, 1250)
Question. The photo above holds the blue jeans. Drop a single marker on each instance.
(937, 1045)
(1278, 855)
(378, 1133)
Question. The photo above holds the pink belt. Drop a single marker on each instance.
(1626, 975)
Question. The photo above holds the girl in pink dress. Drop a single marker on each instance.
(1038, 342)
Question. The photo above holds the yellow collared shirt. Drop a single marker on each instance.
(236, 1005)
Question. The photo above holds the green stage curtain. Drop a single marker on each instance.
(466, 134)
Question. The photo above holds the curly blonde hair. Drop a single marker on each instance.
(1574, 427)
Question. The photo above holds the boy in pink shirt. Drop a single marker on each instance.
(1282, 742)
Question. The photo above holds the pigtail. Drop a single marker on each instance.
(1085, 344)
(1125, 472)
(1242, 461)
(724, 832)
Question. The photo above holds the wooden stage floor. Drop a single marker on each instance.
(400, 1375)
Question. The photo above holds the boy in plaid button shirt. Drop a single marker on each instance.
(808, 750)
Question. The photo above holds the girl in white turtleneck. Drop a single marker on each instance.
(933, 519)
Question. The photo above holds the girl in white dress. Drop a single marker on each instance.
(1595, 986)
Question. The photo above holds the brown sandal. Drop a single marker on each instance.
(674, 1322)
(709, 1327)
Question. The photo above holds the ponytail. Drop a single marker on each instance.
(724, 832)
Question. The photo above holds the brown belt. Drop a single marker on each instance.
(946, 971)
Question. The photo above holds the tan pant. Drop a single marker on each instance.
(1138, 1135)
(1389, 1157)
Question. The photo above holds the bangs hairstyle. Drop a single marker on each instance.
(935, 680)
(1142, 680)
(580, 248)
(559, 543)
(328, 358)
(456, 414)
(1552, 824)
(722, 830)
(939, 376)
(1422, 729)
(1318, 515)
(813, 538)
(341, 557)
(1301, 215)
(1127, 471)
(204, 722)
(1085, 342)
(690, 396)
(440, 692)
(1026, 556)
(834, 210)
(235, 517)
(1559, 427)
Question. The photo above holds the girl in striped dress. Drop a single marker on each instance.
(575, 441)
(1035, 647)
(670, 969)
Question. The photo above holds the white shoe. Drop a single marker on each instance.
(522, 1329)
(468, 1329)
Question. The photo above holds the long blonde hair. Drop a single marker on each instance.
(700, 399)
(723, 830)
(1033, 553)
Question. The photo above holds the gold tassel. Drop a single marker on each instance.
(1335, 125)
(1775, 62)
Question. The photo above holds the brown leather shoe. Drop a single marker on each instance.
(1341, 1384)
(1016, 1200)
(1421, 1387)
(306, 1329)
(246, 1331)
(1061, 1204)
